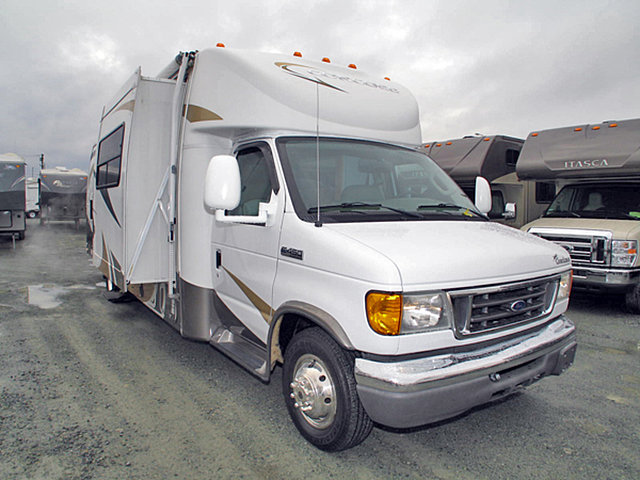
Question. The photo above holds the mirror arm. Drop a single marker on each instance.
(263, 214)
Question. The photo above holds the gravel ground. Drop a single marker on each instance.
(95, 390)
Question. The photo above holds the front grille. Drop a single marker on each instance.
(583, 249)
(502, 306)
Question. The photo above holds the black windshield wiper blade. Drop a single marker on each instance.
(351, 205)
(343, 206)
(563, 214)
(450, 206)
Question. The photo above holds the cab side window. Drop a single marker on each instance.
(256, 177)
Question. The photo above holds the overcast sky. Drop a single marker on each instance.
(494, 67)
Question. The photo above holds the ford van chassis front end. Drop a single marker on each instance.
(418, 391)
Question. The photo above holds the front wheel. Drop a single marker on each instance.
(320, 392)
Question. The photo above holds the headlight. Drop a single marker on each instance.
(395, 314)
(623, 253)
(564, 289)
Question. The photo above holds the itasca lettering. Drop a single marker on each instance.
(587, 163)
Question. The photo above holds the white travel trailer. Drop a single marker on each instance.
(62, 194)
(12, 196)
(278, 209)
(514, 201)
(596, 214)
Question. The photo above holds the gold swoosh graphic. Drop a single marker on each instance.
(263, 307)
(200, 114)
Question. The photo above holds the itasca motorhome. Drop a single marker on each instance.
(12, 196)
(514, 202)
(278, 209)
(62, 194)
(596, 214)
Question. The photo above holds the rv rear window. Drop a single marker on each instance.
(109, 159)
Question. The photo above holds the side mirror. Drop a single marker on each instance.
(483, 195)
(222, 183)
(222, 187)
(509, 211)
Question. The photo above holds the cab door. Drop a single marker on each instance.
(246, 254)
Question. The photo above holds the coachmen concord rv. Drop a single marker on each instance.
(596, 214)
(62, 194)
(12, 196)
(279, 209)
(514, 201)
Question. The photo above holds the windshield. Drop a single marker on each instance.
(613, 201)
(11, 177)
(366, 181)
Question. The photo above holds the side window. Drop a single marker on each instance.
(109, 159)
(545, 192)
(256, 180)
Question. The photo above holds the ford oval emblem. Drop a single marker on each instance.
(518, 305)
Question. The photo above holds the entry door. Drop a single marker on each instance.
(246, 254)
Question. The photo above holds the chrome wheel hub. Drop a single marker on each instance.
(313, 392)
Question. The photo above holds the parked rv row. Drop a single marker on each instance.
(576, 186)
(57, 194)
(280, 210)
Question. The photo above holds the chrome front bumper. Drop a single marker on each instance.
(605, 277)
(424, 390)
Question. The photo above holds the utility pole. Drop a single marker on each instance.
(42, 161)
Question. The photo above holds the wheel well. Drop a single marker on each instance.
(286, 327)
(290, 324)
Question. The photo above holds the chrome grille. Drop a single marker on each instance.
(583, 249)
(502, 306)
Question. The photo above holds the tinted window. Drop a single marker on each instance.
(255, 181)
(545, 192)
(109, 159)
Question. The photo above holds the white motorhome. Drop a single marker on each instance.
(514, 202)
(596, 214)
(62, 194)
(12, 196)
(278, 209)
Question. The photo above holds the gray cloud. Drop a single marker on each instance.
(495, 67)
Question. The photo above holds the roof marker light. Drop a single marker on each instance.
(221, 45)
(387, 78)
(438, 144)
(486, 139)
(326, 60)
(427, 145)
(577, 129)
(612, 125)
(449, 143)
(534, 134)
(297, 54)
(596, 128)
(352, 65)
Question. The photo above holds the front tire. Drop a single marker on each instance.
(320, 392)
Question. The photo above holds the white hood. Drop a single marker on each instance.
(450, 254)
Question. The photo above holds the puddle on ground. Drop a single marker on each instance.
(48, 296)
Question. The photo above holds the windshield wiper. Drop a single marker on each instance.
(356, 205)
(563, 214)
(451, 206)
